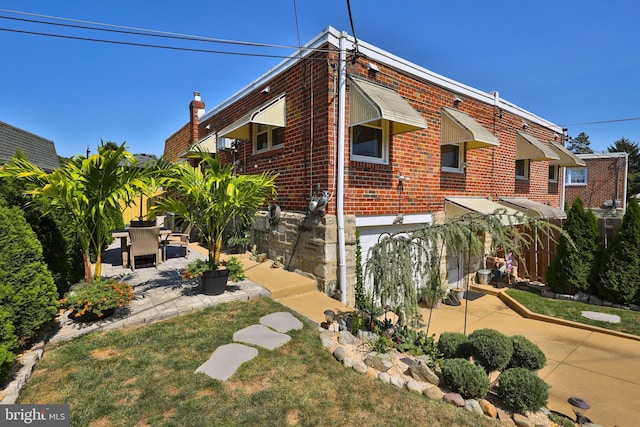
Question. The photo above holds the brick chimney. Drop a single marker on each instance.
(196, 110)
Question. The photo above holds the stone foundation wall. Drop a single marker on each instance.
(309, 245)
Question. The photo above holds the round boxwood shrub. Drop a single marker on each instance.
(454, 345)
(522, 390)
(462, 376)
(490, 349)
(526, 354)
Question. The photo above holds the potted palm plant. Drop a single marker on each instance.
(209, 195)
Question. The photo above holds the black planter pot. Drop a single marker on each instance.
(92, 317)
(214, 282)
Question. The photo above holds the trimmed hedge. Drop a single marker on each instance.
(462, 376)
(490, 349)
(454, 345)
(526, 354)
(8, 344)
(522, 390)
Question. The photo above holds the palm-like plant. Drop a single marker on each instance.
(211, 194)
(87, 189)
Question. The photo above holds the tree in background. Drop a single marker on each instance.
(620, 268)
(580, 144)
(572, 268)
(633, 150)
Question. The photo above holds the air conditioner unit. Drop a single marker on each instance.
(224, 143)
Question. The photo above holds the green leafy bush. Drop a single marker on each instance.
(8, 344)
(380, 344)
(236, 270)
(462, 376)
(490, 349)
(27, 290)
(416, 343)
(522, 390)
(96, 296)
(526, 354)
(454, 345)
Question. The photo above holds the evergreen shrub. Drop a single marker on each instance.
(526, 354)
(490, 349)
(27, 290)
(8, 344)
(454, 345)
(462, 376)
(522, 390)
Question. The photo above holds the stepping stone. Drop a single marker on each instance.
(262, 336)
(603, 317)
(227, 358)
(281, 321)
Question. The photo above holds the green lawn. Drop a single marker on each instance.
(570, 310)
(145, 376)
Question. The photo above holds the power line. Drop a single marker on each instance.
(603, 121)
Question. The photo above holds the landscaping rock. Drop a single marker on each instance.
(522, 421)
(372, 373)
(415, 386)
(454, 398)
(360, 367)
(339, 354)
(420, 371)
(634, 307)
(433, 392)
(384, 377)
(595, 300)
(329, 344)
(564, 297)
(488, 408)
(472, 405)
(397, 381)
(348, 362)
(548, 294)
(366, 336)
(504, 418)
(347, 338)
(582, 297)
(381, 362)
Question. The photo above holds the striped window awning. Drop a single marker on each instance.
(272, 113)
(459, 127)
(530, 147)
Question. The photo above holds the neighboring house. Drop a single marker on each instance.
(39, 151)
(601, 183)
(387, 144)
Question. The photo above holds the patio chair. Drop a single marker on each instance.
(144, 241)
(180, 238)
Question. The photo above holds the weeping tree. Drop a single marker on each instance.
(87, 190)
(402, 266)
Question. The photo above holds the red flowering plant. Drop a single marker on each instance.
(96, 296)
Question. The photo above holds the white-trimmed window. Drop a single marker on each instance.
(452, 158)
(575, 176)
(522, 169)
(553, 173)
(266, 137)
(370, 142)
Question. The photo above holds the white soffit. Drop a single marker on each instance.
(458, 127)
(456, 206)
(566, 158)
(271, 113)
(530, 147)
(370, 102)
(531, 208)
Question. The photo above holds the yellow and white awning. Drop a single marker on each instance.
(456, 206)
(530, 147)
(271, 113)
(533, 209)
(458, 127)
(566, 158)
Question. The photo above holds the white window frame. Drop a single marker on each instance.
(460, 168)
(525, 166)
(575, 176)
(269, 131)
(383, 127)
(555, 169)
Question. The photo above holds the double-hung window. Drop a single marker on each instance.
(576, 176)
(553, 173)
(452, 158)
(266, 137)
(522, 169)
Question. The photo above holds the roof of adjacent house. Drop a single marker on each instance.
(39, 151)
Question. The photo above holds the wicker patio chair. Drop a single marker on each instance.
(180, 239)
(144, 241)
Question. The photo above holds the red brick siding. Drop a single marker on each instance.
(176, 143)
(601, 183)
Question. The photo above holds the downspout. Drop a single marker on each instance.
(342, 83)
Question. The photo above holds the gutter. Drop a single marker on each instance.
(342, 89)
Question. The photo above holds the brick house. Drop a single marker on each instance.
(387, 144)
(601, 182)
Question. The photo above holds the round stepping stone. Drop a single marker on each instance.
(261, 336)
(281, 321)
(603, 317)
(227, 358)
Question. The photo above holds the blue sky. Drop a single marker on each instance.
(570, 62)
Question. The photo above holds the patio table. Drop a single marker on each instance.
(123, 235)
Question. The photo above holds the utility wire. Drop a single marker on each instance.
(295, 13)
(603, 121)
